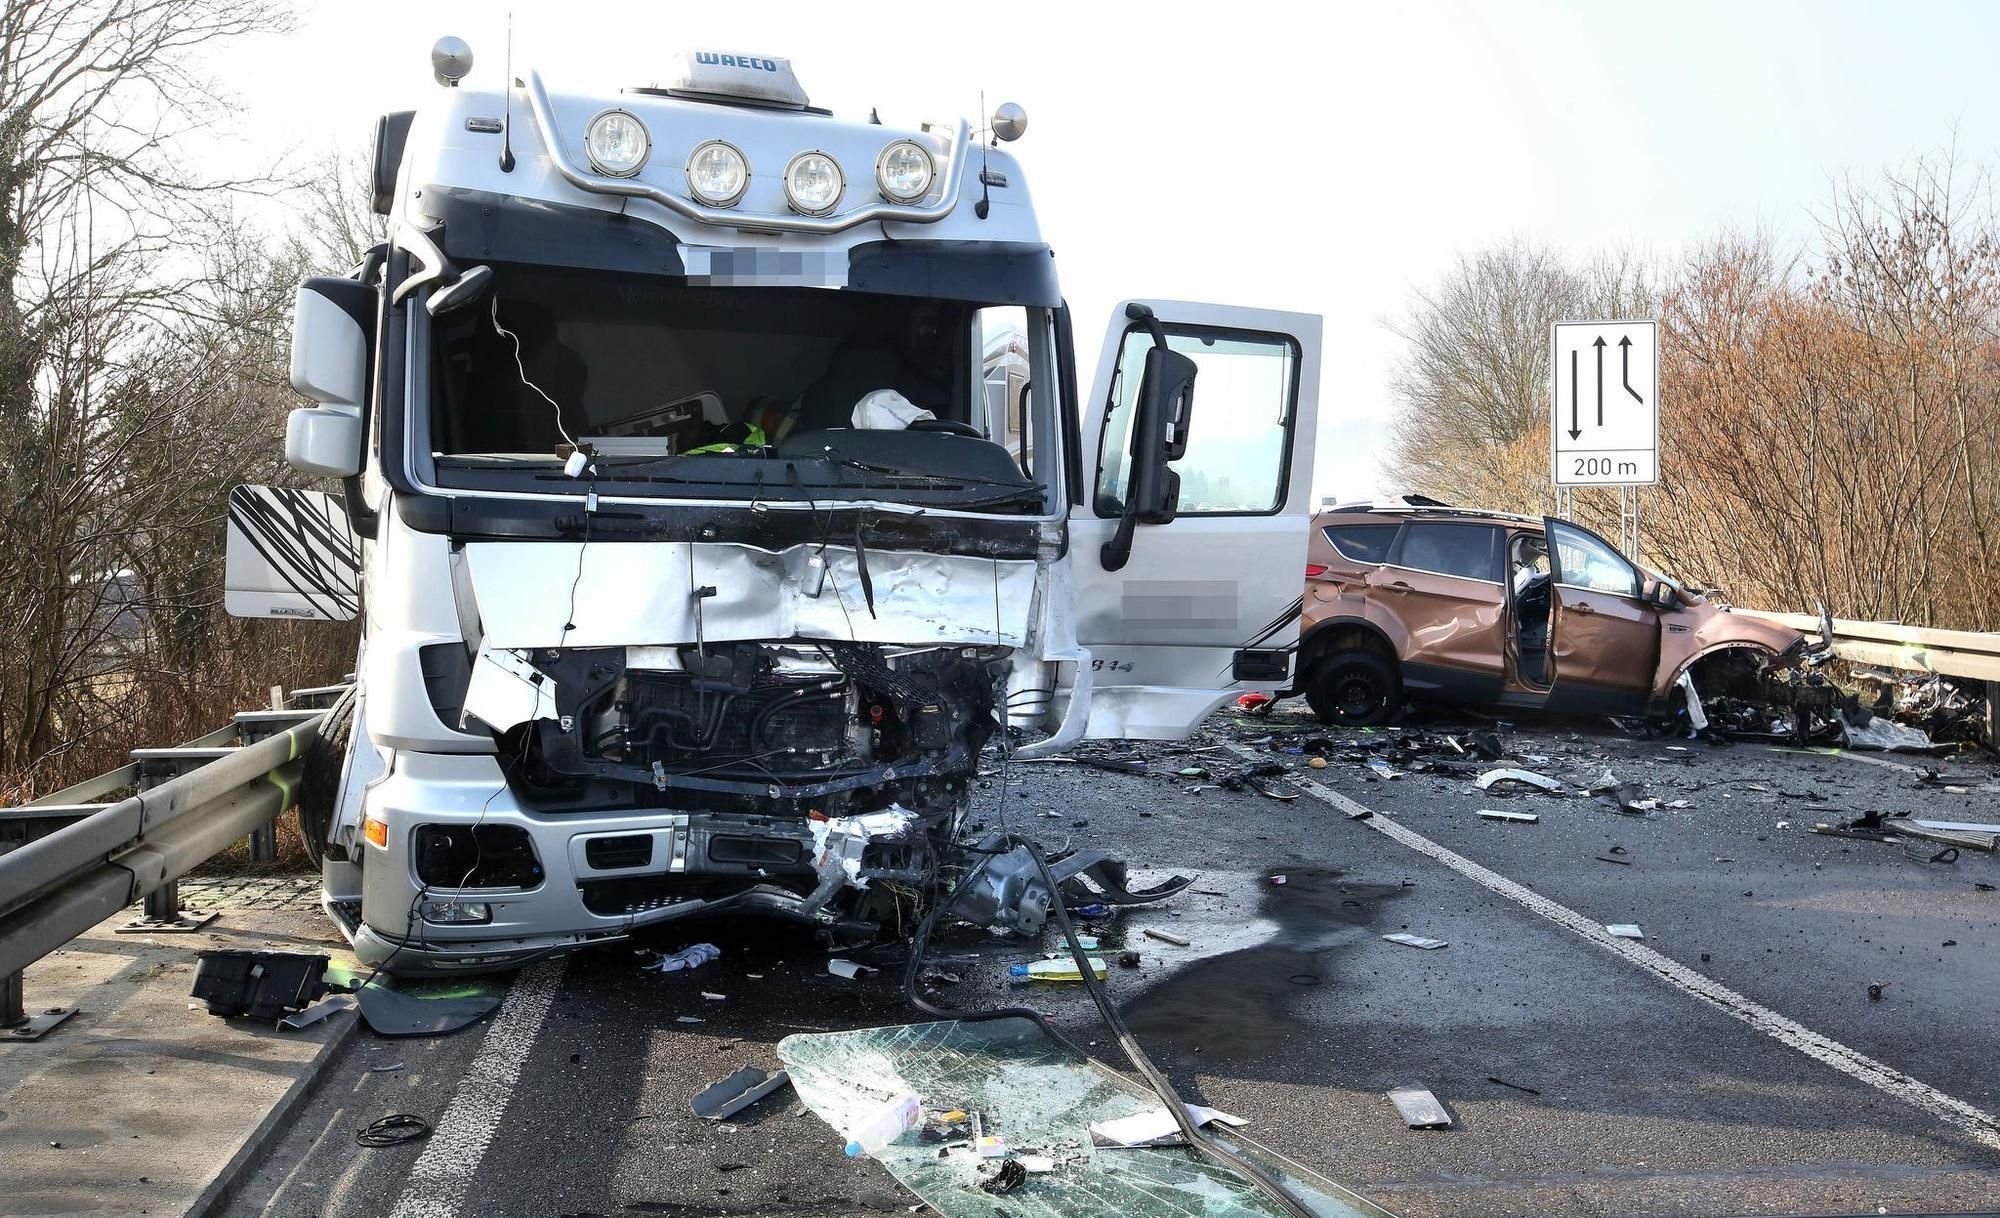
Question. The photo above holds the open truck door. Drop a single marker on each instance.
(1188, 548)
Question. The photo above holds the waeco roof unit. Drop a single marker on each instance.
(758, 80)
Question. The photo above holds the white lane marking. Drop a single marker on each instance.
(444, 1171)
(1982, 1126)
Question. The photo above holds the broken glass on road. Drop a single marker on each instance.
(1039, 1098)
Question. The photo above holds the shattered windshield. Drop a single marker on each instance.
(752, 391)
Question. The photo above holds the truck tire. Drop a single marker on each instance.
(319, 777)
(1355, 688)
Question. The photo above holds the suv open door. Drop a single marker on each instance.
(1197, 490)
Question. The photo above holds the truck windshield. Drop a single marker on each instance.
(734, 390)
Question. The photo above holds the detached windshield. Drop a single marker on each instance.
(724, 387)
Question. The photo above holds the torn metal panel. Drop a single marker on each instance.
(612, 594)
(1041, 1098)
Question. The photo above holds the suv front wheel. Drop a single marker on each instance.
(1355, 688)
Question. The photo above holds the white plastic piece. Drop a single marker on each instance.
(574, 466)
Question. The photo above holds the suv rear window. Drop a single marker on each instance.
(1464, 550)
(1365, 543)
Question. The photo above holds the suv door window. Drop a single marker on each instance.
(1238, 455)
(1585, 561)
(1468, 551)
(1366, 544)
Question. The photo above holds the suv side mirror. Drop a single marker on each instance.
(1662, 595)
(1164, 408)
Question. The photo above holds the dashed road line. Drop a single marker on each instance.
(1983, 1127)
(450, 1161)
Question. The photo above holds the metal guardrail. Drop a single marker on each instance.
(1952, 653)
(191, 803)
(1970, 654)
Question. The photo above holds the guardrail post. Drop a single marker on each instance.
(16, 1025)
(162, 913)
(264, 842)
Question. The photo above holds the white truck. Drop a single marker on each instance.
(704, 533)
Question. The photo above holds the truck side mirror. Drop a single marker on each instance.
(1160, 420)
(332, 324)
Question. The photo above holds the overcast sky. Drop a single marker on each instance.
(1320, 158)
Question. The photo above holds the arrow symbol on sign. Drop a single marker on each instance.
(1574, 430)
(1625, 367)
(1599, 344)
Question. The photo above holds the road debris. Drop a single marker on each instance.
(687, 958)
(1419, 1108)
(1522, 818)
(1624, 930)
(1504, 781)
(1156, 1128)
(1010, 1176)
(1602, 858)
(732, 1095)
(1417, 941)
(1165, 937)
(1514, 1086)
(848, 969)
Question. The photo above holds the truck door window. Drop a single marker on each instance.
(1005, 361)
(1583, 561)
(1468, 551)
(1366, 544)
(1245, 390)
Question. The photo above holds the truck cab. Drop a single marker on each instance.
(714, 484)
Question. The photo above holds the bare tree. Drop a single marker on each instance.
(98, 423)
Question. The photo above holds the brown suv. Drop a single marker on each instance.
(1458, 605)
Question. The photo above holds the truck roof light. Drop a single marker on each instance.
(617, 143)
(904, 171)
(814, 183)
(718, 173)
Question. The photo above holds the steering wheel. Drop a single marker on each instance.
(950, 426)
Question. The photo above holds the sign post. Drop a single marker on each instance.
(1604, 412)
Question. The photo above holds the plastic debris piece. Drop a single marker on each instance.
(735, 1093)
(1165, 937)
(1010, 1176)
(1254, 703)
(689, 1019)
(688, 958)
(847, 968)
(1156, 1127)
(1624, 930)
(1419, 1108)
(1507, 778)
(1277, 879)
(714, 997)
(1419, 941)
(1523, 818)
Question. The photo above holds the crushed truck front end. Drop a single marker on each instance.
(700, 553)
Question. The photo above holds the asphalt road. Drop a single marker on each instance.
(1731, 1063)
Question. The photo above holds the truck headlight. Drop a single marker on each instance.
(456, 913)
(717, 174)
(904, 171)
(813, 183)
(617, 143)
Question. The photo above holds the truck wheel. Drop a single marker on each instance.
(1353, 688)
(319, 778)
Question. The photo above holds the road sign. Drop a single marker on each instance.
(1605, 413)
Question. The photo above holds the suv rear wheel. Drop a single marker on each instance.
(1354, 688)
